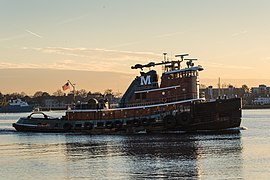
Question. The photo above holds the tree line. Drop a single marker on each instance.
(39, 96)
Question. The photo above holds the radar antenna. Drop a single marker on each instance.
(181, 55)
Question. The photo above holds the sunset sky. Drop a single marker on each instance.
(44, 43)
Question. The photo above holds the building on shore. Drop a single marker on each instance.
(261, 101)
(261, 91)
(256, 96)
(210, 93)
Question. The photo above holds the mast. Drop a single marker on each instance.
(165, 59)
(218, 87)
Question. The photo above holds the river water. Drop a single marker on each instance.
(234, 155)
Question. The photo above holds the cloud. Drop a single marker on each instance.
(239, 33)
(32, 33)
(126, 44)
(265, 58)
(224, 66)
(87, 59)
(160, 36)
(7, 65)
(97, 59)
(73, 19)
(61, 65)
(168, 35)
(102, 55)
(19, 36)
(90, 50)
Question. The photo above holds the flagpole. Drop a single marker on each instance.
(73, 86)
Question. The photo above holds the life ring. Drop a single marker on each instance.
(118, 124)
(88, 126)
(129, 122)
(184, 119)
(109, 124)
(145, 122)
(67, 126)
(169, 121)
(136, 122)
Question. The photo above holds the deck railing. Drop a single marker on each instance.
(161, 100)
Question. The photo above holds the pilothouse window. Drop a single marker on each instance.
(186, 74)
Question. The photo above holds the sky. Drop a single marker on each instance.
(45, 43)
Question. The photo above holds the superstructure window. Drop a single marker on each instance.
(137, 95)
(144, 95)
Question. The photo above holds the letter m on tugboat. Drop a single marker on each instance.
(145, 80)
(150, 104)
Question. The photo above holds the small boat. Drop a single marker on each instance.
(15, 106)
(36, 121)
(169, 104)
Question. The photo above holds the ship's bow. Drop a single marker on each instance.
(217, 115)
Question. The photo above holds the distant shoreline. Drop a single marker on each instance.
(256, 107)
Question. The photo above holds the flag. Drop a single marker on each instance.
(66, 86)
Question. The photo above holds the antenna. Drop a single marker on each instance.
(165, 56)
(181, 55)
(189, 62)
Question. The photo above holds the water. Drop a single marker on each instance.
(244, 155)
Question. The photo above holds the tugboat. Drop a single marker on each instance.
(149, 105)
